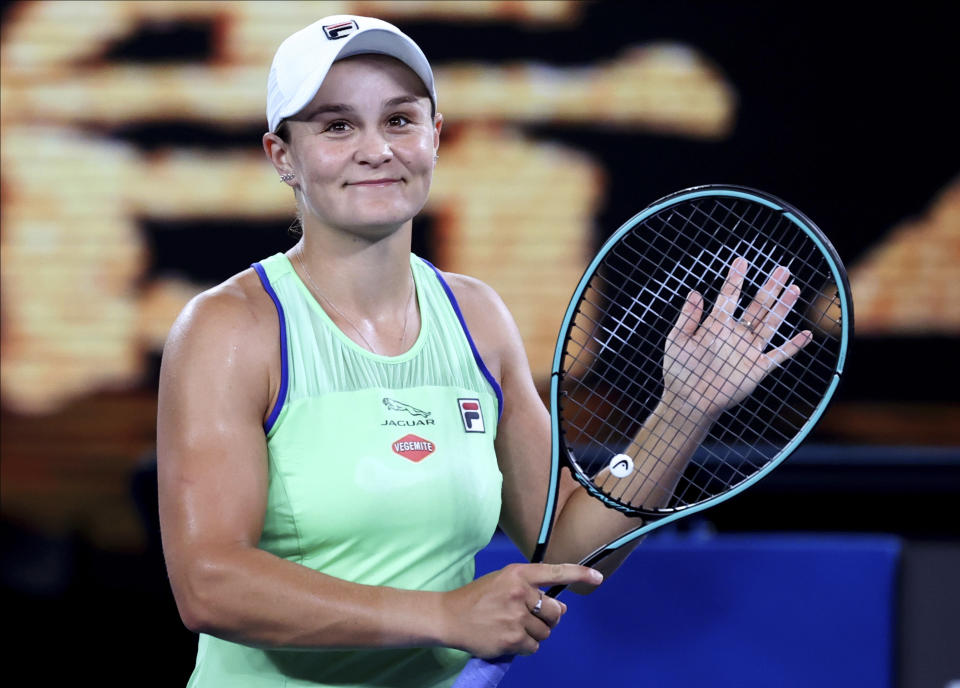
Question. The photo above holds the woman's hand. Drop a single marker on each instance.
(714, 365)
(498, 614)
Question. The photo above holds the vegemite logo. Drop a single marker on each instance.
(342, 30)
(471, 414)
(413, 448)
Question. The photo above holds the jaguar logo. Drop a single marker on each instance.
(395, 405)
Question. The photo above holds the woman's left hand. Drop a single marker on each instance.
(714, 365)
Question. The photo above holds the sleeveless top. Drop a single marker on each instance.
(382, 471)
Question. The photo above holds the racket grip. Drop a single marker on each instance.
(483, 673)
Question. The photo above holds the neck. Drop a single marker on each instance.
(362, 276)
(365, 286)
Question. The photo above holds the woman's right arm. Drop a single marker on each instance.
(212, 462)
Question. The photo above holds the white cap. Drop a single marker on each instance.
(303, 59)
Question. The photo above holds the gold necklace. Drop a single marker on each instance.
(316, 289)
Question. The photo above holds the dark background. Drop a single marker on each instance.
(849, 113)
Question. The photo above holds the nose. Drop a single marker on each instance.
(373, 149)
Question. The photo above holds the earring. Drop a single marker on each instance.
(287, 177)
(436, 156)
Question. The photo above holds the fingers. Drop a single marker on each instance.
(784, 353)
(778, 312)
(770, 307)
(718, 365)
(765, 298)
(729, 295)
(763, 316)
(505, 612)
(541, 621)
(544, 611)
(548, 609)
(690, 315)
(548, 575)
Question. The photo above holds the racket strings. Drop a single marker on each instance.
(792, 247)
(612, 368)
(621, 435)
(631, 369)
(797, 245)
(630, 366)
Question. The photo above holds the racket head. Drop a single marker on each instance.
(744, 439)
(607, 369)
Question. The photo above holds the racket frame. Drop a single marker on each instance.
(481, 673)
(559, 451)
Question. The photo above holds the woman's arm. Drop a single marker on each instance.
(710, 365)
(214, 391)
(523, 441)
(523, 449)
(214, 394)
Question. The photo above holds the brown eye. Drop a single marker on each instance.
(338, 126)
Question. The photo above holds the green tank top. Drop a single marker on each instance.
(382, 471)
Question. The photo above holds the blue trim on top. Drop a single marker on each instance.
(473, 347)
(284, 377)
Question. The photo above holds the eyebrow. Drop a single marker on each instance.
(339, 108)
(400, 100)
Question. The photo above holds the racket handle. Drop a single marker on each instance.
(483, 673)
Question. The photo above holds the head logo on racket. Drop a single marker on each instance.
(621, 466)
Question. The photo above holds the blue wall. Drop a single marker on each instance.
(771, 611)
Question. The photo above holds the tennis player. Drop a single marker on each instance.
(342, 427)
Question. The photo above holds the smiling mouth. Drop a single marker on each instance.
(375, 182)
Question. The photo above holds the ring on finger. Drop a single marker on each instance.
(536, 608)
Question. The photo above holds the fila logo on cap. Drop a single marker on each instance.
(471, 415)
(341, 30)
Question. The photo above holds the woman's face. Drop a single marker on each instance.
(363, 149)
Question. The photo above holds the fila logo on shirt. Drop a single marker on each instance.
(342, 30)
(471, 414)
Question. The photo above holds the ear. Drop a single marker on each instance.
(278, 152)
(437, 126)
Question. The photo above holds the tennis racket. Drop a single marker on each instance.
(619, 345)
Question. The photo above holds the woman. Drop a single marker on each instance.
(342, 427)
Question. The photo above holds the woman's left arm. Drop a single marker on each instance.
(523, 443)
(710, 364)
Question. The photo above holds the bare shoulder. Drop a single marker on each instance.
(482, 307)
(476, 298)
(226, 341)
(491, 325)
(236, 308)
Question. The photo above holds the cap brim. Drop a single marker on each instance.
(371, 41)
